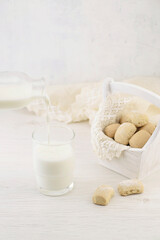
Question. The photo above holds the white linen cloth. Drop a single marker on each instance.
(70, 103)
(80, 102)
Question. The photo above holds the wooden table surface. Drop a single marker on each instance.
(26, 214)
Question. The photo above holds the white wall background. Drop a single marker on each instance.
(80, 40)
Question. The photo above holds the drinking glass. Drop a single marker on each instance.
(54, 159)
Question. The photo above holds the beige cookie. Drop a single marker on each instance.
(149, 127)
(139, 139)
(124, 133)
(138, 119)
(131, 186)
(111, 129)
(102, 195)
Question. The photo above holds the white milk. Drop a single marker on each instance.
(54, 166)
(48, 102)
(14, 96)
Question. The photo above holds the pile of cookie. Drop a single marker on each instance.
(133, 129)
(104, 193)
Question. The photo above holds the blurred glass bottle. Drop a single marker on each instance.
(17, 90)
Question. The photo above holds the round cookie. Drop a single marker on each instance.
(138, 119)
(139, 139)
(149, 127)
(124, 133)
(111, 129)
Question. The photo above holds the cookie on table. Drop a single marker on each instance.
(102, 195)
(131, 186)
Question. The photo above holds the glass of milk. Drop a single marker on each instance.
(54, 159)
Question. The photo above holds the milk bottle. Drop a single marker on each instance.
(18, 89)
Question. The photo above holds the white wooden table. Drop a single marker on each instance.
(28, 215)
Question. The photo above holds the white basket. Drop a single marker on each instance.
(134, 162)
